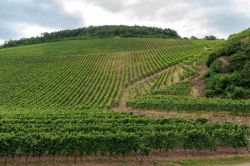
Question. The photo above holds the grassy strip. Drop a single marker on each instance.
(208, 161)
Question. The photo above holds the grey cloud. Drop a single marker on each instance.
(7, 31)
(46, 13)
(228, 21)
(213, 15)
(148, 9)
(151, 10)
(210, 15)
(110, 5)
(222, 16)
(210, 3)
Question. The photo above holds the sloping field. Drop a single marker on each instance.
(85, 73)
(46, 88)
(227, 82)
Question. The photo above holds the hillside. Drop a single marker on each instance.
(229, 68)
(106, 31)
(78, 99)
(124, 83)
(85, 73)
(181, 88)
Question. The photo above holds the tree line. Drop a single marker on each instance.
(96, 32)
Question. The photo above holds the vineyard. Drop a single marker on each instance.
(88, 73)
(164, 80)
(189, 103)
(47, 132)
(59, 99)
(178, 95)
(226, 90)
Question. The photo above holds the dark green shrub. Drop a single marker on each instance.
(235, 92)
(216, 66)
(210, 93)
(245, 75)
(233, 47)
(237, 61)
(201, 120)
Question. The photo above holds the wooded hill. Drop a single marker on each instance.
(96, 32)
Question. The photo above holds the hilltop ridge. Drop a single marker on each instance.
(96, 32)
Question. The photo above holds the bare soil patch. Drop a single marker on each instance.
(224, 60)
(199, 83)
(122, 104)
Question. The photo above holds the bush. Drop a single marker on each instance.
(233, 47)
(218, 85)
(235, 92)
(210, 93)
(216, 66)
(214, 55)
(237, 61)
(235, 82)
(211, 58)
(245, 75)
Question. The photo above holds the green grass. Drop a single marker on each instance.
(218, 161)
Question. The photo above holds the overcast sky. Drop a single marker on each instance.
(26, 18)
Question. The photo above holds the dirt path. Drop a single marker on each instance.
(122, 104)
(224, 59)
(130, 160)
(245, 164)
(199, 83)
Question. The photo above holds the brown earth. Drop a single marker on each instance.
(224, 60)
(132, 159)
(199, 83)
(122, 104)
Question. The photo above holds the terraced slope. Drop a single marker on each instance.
(85, 73)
